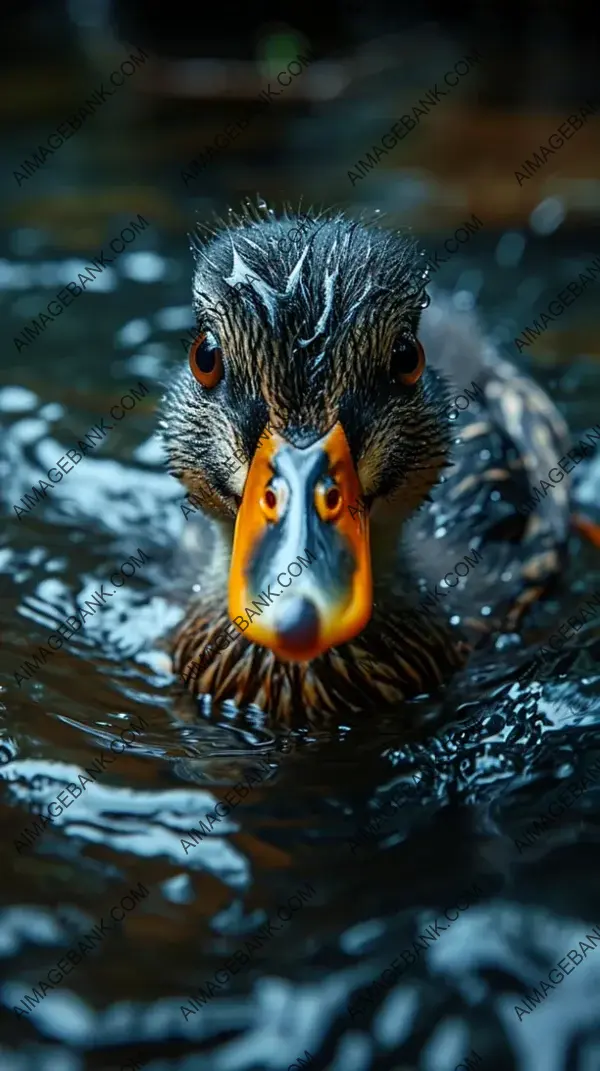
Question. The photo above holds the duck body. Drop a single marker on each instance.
(427, 544)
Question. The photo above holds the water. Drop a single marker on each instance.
(459, 798)
(364, 834)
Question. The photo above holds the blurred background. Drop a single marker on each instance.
(198, 74)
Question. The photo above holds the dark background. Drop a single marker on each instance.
(206, 64)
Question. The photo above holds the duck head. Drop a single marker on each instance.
(307, 419)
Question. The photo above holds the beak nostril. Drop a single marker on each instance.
(270, 498)
(332, 498)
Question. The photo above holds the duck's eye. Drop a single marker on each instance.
(206, 361)
(408, 361)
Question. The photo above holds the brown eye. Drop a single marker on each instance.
(328, 500)
(206, 361)
(270, 504)
(408, 361)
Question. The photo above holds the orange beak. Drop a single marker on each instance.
(300, 574)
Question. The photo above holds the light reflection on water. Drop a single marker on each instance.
(296, 825)
(497, 747)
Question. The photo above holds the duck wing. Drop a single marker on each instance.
(508, 438)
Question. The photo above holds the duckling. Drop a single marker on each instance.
(322, 366)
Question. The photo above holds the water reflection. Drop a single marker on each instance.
(459, 779)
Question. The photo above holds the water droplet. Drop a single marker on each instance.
(508, 639)
(196, 587)
(262, 204)
(506, 575)
(495, 496)
(548, 215)
(440, 533)
(485, 455)
(509, 249)
(463, 300)
(455, 619)
(486, 611)
(453, 416)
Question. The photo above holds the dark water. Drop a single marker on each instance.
(450, 803)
